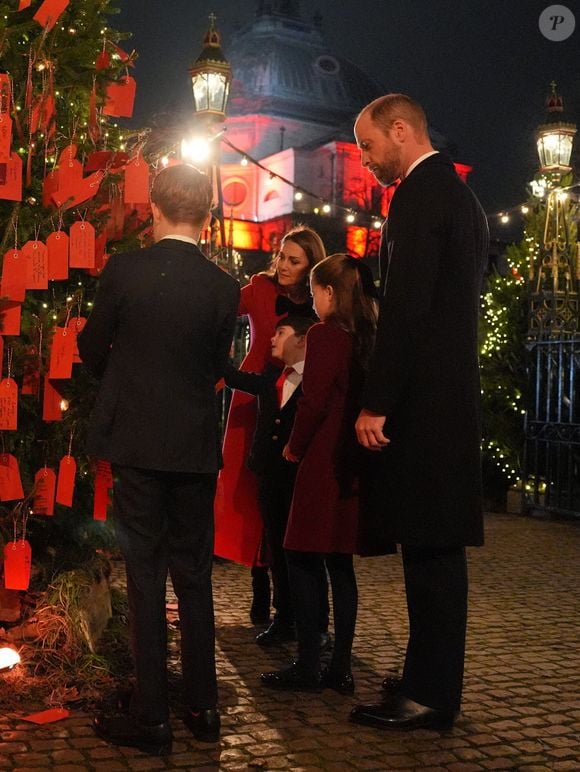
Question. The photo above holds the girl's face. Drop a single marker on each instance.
(292, 265)
(323, 300)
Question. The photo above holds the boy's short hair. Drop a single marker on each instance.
(183, 193)
(300, 324)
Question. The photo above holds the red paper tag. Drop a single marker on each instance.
(49, 187)
(82, 245)
(5, 92)
(47, 716)
(51, 409)
(57, 246)
(5, 136)
(10, 482)
(83, 189)
(62, 352)
(45, 488)
(8, 405)
(11, 179)
(120, 97)
(36, 255)
(17, 559)
(48, 13)
(103, 61)
(67, 470)
(103, 482)
(13, 276)
(137, 181)
(10, 314)
(75, 325)
(70, 171)
(24, 4)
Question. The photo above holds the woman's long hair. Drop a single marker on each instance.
(354, 300)
(309, 241)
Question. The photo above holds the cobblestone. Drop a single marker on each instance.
(521, 707)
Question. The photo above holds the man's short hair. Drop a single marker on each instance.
(183, 193)
(387, 109)
(300, 324)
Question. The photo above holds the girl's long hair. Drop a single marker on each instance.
(308, 240)
(354, 299)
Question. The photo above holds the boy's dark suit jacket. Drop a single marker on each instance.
(158, 339)
(274, 424)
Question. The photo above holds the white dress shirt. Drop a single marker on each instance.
(292, 382)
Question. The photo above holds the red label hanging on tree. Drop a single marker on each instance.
(24, 4)
(45, 489)
(49, 186)
(51, 403)
(137, 181)
(10, 315)
(57, 245)
(103, 61)
(120, 97)
(5, 137)
(5, 93)
(83, 190)
(8, 404)
(75, 325)
(36, 255)
(103, 482)
(11, 179)
(13, 276)
(61, 354)
(48, 13)
(17, 560)
(82, 245)
(67, 470)
(10, 482)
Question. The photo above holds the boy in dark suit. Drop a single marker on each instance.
(278, 393)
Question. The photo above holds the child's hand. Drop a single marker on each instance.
(289, 456)
(369, 430)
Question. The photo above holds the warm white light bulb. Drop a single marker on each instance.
(8, 658)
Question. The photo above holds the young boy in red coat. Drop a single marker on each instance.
(278, 393)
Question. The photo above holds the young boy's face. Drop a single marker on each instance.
(286, 345)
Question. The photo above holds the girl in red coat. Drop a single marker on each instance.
(268, 297)
(323, 527)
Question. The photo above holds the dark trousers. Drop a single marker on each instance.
(276, 488)
(164, 523)
(308, 582)
(436, 586)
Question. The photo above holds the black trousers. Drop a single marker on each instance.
(164, 523)
(436, 585)
(307, 579)
(276, 488)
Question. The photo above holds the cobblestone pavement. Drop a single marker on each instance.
(521, 705)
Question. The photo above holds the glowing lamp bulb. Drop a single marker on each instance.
(350, 217)
(8, 658)
(504, 218)
(244, 161)
(326, 208)
(64, 404)
(525, 209)
(298, 196)
(377, 224)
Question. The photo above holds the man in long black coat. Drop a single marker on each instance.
(158, 339)
(421, 404)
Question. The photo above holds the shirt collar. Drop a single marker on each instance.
(180, 238)
(299, 367)
(417, 161)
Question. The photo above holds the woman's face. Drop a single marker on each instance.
(292, 265)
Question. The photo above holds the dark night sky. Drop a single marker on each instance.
(481, 68)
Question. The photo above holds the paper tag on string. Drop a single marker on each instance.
(10, 315)
(120, 97)
(10, 482)
(44, 492)
(8, 405)
(36, 255)
(49, 186)
(24, 4)
(57, 245)
(47, 716)
(67, 470)
(137, 181)
(5, 93)
(51, 402)
(76, 325)
(49, 12)
(82, 245)
(62, 351)
(103, 61)
(11, 178)
(13, 284)
(5, 137)
(103, 482)
(17, 561)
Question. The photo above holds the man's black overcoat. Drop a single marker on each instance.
(424, 373)
(159, 338)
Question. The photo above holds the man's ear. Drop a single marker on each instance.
(156, 212)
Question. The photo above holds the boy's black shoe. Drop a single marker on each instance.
(292, 678)
(204, 724)
(155, 739)
(343, 683)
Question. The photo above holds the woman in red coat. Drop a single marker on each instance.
(323, 529)
(268, 297)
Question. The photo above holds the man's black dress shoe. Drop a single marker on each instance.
(204, 724)
(392, 684)
(292, 678)
(156, 739)
(402, 713)
(276, 634)
(343, 683)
